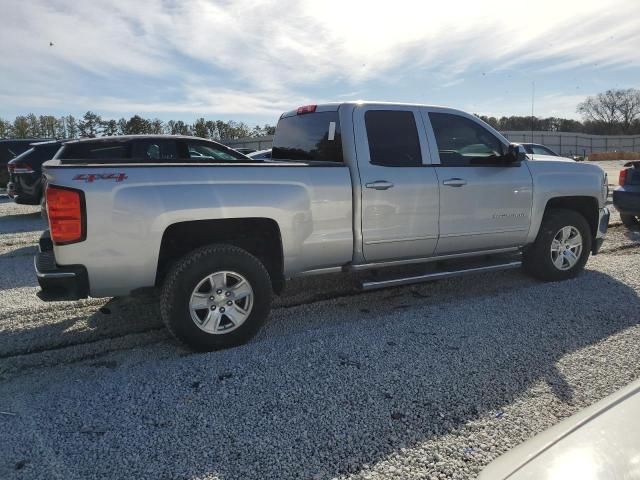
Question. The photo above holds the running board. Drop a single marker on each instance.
(438, 275)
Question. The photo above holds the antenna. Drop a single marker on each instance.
(533, 96)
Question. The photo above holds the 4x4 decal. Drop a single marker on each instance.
(92, 177)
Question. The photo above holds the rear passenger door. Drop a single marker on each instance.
(399, 188)
(485, 202)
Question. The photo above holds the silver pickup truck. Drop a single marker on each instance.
(351, 187)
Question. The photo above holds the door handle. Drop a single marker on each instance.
(454, 182)
(379, 185)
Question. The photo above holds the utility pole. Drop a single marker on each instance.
(533, 96)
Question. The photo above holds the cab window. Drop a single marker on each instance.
(463, 142)
(308, 137)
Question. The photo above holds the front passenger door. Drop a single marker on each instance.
(485, 202)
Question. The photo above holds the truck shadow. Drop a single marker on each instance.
(336, 388)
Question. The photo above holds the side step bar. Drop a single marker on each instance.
(439, 275)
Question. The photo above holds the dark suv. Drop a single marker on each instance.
(10, 149)
(25, 172)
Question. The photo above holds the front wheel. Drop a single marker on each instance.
(216, 297)
(562, 246)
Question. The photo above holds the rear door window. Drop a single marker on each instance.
(393, 138)
(308, 136)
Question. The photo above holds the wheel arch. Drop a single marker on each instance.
(259, 236)
(585, 205)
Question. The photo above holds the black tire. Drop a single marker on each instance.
(629, 220)
(189, 271)
(537, 260)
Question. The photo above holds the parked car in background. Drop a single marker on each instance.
(244, 150)
(601, 442)
(351, 187)
(535, 151)
(261, 154)
(626, 197)
(25, 172)
(149, 148)
(10, 149)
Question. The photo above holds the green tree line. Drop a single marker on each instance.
(555, 124)
(93, 125)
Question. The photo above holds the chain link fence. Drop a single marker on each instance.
(582, 144)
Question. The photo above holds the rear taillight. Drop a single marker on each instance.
(20, 167)
(622, 178)
(306, 109)
(65, 209)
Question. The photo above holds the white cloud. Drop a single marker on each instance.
(247, 56)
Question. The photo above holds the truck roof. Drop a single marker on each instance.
(333, 106)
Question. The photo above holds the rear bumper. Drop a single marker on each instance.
(603, 226)
(58, 283)
(627, 200)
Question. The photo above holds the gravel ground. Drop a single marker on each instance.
(427, 381)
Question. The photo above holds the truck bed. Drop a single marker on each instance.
(130, 206)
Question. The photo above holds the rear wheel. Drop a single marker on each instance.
(561, 248)
(216, 297)
(629, 220)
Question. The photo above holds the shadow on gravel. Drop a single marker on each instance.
(16, 268)
(44, 331)
(21, 222)
(347, 384)
(27, 251)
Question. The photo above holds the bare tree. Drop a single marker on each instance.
(630, 108)
(616, 109)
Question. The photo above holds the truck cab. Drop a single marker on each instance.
(431, 181)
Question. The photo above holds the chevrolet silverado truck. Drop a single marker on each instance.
(372, 190)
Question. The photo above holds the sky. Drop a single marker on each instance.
(250, 60)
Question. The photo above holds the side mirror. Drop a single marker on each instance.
(516, 153)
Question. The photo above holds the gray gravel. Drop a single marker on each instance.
(428, 381)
